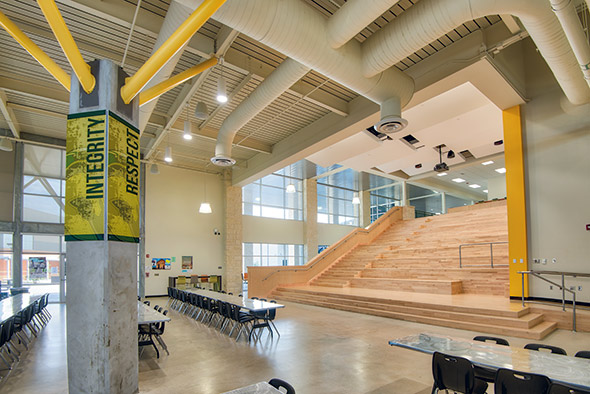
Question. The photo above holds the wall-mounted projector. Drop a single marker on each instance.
(441, 167)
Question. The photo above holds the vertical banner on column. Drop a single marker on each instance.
(85, 176)
(123, 186)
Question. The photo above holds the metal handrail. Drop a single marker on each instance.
(537, 274)
(491, 254)
(329, 250)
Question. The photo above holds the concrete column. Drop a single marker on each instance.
(365, 218)
(232, 281)
(141, 260)
(443, 201)
(310, 216)
(102, 272)
(17, 236)
(405, 201)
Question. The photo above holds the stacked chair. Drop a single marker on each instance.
(22, 329)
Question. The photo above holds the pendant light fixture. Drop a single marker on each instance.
(168, 150)
(168, 154)
(290, 187)
(221, 88)
(205, 206)
(154, 169)
(355, 199)
(201, 111)
(188, 135)
(6, 145)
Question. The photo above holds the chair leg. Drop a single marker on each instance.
(275, 327)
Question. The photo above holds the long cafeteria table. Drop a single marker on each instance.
(149, 316)
(245, 303)
(559, 368)
(11, 306)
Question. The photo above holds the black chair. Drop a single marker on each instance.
(456, 374)
(496, 340)
(553, 349)
(483, 373)
(240, 319)
(559, 388)
(583, 354)
(515, 382)
(147, 303)
(279, 383)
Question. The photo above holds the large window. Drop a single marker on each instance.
(268, 197)
(335, 194)
(383, 199)
(263, 255)
(5, 256)
(44, 184)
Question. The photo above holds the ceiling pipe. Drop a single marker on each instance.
(169, 48)
(176, 15)
(428, 20)
(297, 30)
(281, 79)
(156, 91)
(68, 45)
(353, 17)
(565, 11)
(48, 64)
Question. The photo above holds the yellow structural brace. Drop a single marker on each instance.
(67, 43)
(53, 69)
(176, 41)
(515, 200)
(157, 90)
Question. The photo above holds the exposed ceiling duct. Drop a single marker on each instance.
(568, 17)
(176, 15)
(353, 17)
(428, 20)
(300, 32)
(281, 79)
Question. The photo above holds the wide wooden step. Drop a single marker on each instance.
(521, 324)
(413, 285)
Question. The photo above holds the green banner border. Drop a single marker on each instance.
(86, 114)
(126, 123)
(84, 237)
(123, 238)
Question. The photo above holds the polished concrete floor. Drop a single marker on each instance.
(319, 351)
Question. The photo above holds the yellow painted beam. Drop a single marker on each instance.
(67, 43)
(516, 201)
(157, 90)
(172, 45)
(56, 71)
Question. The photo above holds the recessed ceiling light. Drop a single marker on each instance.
(474, 186)
(485, 190)
(487, 163)
(441, 174)
(501, 170)
(458, 180)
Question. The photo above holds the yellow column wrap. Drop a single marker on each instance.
(516, 201)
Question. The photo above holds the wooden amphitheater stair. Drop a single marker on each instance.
(519, 323)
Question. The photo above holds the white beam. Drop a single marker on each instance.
(8, 114)
(310, 139)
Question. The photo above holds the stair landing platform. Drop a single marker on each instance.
(482, 313)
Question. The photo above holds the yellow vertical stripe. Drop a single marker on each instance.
(516, 202)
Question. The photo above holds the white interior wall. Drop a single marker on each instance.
(278, 231)
(557, 162)
(175, 228)
(6, 185)
(497, 187)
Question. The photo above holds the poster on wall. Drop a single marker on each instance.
(187, 264)
(161, 263)
(37, 268)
